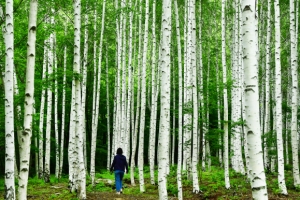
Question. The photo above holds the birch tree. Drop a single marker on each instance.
(97, 99)
(50, 65)
(179, 163)
(143, 102)
(165, 81)
(294, 67)
(267, 112)
(153, 118)
(28, 105)
(225, 95)
(194, 94)
(9, 102)
(278, 106)
(252, 127)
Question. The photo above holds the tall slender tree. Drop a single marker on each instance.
(9, 102)
(294, 66)
(252, 127)
(29, 101)
(278, 106)
(165, 90)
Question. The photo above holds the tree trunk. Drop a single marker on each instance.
(225, 95)
(9, 103)
(165, 79)
(252, 128)
(294, 67)
(28, 105)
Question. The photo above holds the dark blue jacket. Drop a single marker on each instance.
(119, 163)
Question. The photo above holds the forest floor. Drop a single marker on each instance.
(211, 183)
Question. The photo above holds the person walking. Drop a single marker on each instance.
(118, 166)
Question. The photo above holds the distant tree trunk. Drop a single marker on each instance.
(179, 163)
(49, 103)
(252, 127)
(28, 105)
(294, 67)
(153, 119)
(83, 83)
(97, 100)
(278, 95)
(225, 95)
(143, 103)
(42, 108)
(138, 105)
(130, 78)
(56, 114)
(9, 102)
(165, 80)
(267, 89)
(62, 139)
(108, 115)
(19, 127)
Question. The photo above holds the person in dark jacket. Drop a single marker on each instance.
(118, 166)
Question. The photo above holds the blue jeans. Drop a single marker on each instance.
(118, 179)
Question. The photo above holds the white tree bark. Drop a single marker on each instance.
(294, 67)
(56, 114)
(225, 95)
(192, 17)
(252, 127)
(143, 102)
(179, 164)
(42, 108)
(62, 139)
(95, 123)
(165, 80)
(28, 105)
(278, 95)
(9, 103)
(50, 66)
(137, 116)
(153, 118)
(267, 124)
(108, 115)
(80, 168)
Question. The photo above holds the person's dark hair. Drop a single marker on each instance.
(119, 151)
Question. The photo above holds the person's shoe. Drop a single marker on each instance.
(117, 192)
(121, 191)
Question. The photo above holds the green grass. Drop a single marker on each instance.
(211, 184)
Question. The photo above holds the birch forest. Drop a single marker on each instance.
(201, 95)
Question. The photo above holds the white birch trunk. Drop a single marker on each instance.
(80, 168)
(83, 84)
(179, 164)
(194, 94)
(108, 115)
(294, 122)
(267, 124)
(62, 139)
(278, 95)
(129, 98)
(9, 103)
(28, 105)
(97, 99)
(226, 157)
(252, 127)
(152, 137)
(165, 79)
(41, 122)
(49, 103)
(143, 102)
(56, 114)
